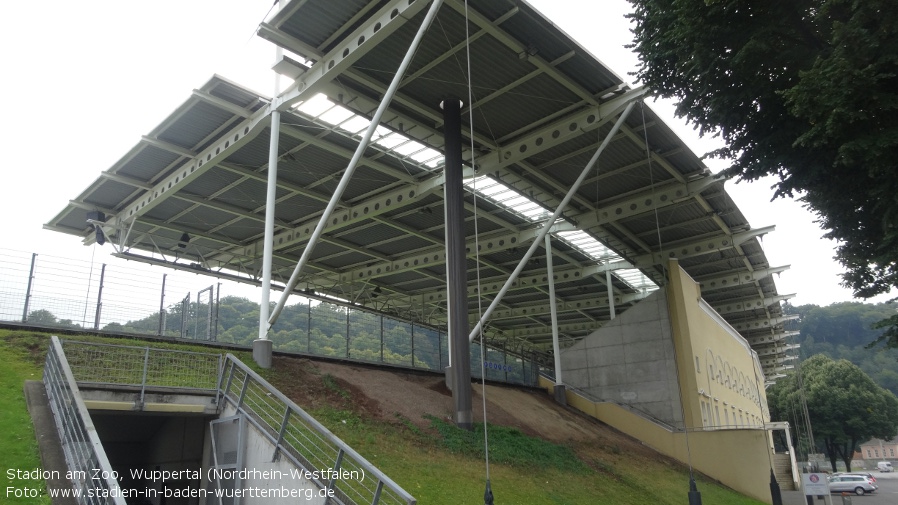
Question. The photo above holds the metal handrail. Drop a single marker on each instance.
(633, 410)
(92, 475)
(304, 441)
(96, 364)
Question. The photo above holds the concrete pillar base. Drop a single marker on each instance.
(450, 377)
(262, 352)
(467, 424)
(560, 395)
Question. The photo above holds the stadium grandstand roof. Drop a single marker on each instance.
(191, 194)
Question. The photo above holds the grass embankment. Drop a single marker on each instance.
(438, 464)
(20, 361)
(445, 465)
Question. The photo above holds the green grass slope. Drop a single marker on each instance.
(434, 461)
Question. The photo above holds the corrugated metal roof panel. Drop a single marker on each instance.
(147, 163)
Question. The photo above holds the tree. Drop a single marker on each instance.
(46, 318)
(845, 406)
(804, 90)
(42, 316)
(843, 331)
(845, 323)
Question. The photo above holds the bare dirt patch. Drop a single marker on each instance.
(391, 395)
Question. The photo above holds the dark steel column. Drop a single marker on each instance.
(456, 265)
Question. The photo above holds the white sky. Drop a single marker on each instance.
(83, 81)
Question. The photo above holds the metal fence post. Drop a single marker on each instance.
(246, 379)
(28, 290)
(284, 422)
(413, 345)
(221, 365)
(185, 308)
(377, 492)
(162, 308)
(381, 338)
(505, 361)
(208, 314)
(347, 331)
(143, 382)
(100, 298)
(215, 319)
(336, 470)
(233, 366)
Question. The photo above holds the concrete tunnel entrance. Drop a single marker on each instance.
(170, 427)
(146, 431)
(154, 442)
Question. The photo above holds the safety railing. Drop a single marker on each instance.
(142, 367)
(92, 476)
(550, 375)
(305, 442)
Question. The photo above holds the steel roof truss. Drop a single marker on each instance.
(763, 323)
(352, 48)
(738, 278)
(746, 304)
(237, 137)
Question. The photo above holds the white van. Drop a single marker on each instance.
(884, 466)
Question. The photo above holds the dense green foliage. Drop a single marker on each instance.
(804, 90)
(44, 317)
(846, 331)
(319, 328)
(844, 405)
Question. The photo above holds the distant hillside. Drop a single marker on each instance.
(843, 331)
(238, 323)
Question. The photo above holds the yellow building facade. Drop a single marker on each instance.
(674, 374)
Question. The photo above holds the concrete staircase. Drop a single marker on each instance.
(782, 468)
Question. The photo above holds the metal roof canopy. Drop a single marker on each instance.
(541, 106)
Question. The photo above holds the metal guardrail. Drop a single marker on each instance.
(595, 399)
(144, 367)
(86, 459)
(302, 439)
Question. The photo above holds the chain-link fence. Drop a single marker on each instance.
(44, 290)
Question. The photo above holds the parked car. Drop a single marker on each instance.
(884, 466)
(863, 474)
(852, 483)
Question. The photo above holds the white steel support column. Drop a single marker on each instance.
(556, 348)
(557, 214)
(610, 292)
(262, 346)
(350, 169)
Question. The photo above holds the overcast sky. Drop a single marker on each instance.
(83, 81)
